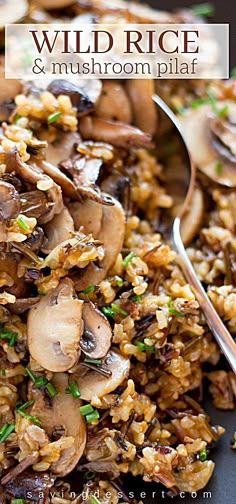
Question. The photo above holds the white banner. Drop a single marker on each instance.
(121, 51)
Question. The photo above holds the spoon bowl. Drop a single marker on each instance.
(179, 181)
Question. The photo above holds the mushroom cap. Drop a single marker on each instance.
(114, 103)
(62, 411)
(112, 236)
(92, 384)
(54, 327)
(12, 13)
(144, 109)
(96, 338)
(87, 213)
(9, 201)
(205, 135)
(59, 229)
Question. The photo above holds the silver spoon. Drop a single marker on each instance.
(180, 187)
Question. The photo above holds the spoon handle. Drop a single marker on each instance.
(216, 325)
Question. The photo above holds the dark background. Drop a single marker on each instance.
(223, 482)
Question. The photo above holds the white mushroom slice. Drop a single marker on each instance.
(59, 229)
(63, 147)
(112, 236)
(114, 103)
(92, 384)
(209, 146)
(61, 411)
(54, 328)
(87, 214)
(192, 219)
(67, 186)
(114, 133)
(12, 13)
(96, 338)
(141, 92)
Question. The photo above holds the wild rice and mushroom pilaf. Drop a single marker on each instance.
(103, 347)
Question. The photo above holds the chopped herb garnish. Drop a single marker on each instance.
(22, 224)
(89, 289)
(40, 381)
(173, 311)
(3, 371)
(136, 297)
(6, 334)
(199, 101)
(140, 345)
(73, 389)
(21, 407)
(233, 72)
(94, 500)
(204, 9)
(86, 409)
(218, 167)
(31, 375)
(89, 475)
(116, 308)
(16, 118)
(179, 109)
(203, 455)
(93, 361)
(119, 280)
(41, 293)
(127, 259)
(17, 501)
(51, 389)
(5, 431)
(53, 117)
(94, 415)
(222, 112)
(107, 311)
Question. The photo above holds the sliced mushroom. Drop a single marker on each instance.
(54, 328)
(59, 229)
(96, 338)
(34, 203)
(33, 175)
(13, 13)
(79, 99)
(141, 92)
(9, 265)
(62, 147)
(61, 179)
(9, 201)
(211, 141)
(21, 305)
(115, 133)
(114, 103)
(61, 411)
(87, 214)
(112, 236)
(92, 384)
(193, 217)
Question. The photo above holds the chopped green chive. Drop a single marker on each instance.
(173, 311)
(204, 9)
(53, 117)
(136, 297)
(86, 409)
(203, 455)
(127, 259)
(222, 112)
(89, 475)
(119, 280)
(17, 501)
(31, 375)
(51, 389)
(118, 309)
(16, 118)
(107, 311)
(73, 389)
(233, 72)
(41, 293)
(21, 407)
(3, 371)
(6, 334)
(22, 224)
(140, 345)
(94, 500)
(218, 167)
(94, 415)
(93, 361)
(40, 381)
(199, 101)
(89, 289)
(5, 431)
(179, 109)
